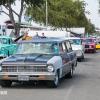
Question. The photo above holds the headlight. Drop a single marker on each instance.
(0, 68)
(50, 68)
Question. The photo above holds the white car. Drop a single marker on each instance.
(77, 46)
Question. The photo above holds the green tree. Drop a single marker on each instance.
(61, 13)
(7, 4)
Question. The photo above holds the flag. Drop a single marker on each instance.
(26, 18)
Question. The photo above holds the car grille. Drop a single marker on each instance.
(24, 69)
(86, 46)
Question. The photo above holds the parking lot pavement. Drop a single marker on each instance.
(83, 86)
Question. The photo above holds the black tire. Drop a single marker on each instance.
(80, 59)
(70, 74)
(76, 64)
(94, 51)
(54, 83)
(82, 56)
(5, 83)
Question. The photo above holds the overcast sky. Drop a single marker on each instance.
(92, 7)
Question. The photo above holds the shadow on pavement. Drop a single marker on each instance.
(87, 59)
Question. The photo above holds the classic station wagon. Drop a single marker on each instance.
(7, 46)
(41, 59)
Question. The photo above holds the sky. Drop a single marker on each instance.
(92, 7)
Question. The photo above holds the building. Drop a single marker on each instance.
(25, 26)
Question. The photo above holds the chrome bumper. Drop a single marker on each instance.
(32, 76)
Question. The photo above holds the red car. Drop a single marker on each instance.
(89, 44)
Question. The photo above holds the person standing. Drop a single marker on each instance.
(43, 36)
(25, 37)
(37, 36)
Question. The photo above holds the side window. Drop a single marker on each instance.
(4, 41)
(69, 48)
(62, 48)
(11, 41)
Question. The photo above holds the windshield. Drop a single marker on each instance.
(35, 48)
(3, 41)
(87, 40)
(75, 41)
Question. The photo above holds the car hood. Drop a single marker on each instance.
(88, 43)
(77, 47)
(27, 59)
(3, 45)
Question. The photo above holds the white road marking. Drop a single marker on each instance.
(68, 93)
(71, 88)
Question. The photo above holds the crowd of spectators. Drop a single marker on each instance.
(26, 37)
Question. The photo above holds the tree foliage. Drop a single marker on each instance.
(61, 13)
(7, 4)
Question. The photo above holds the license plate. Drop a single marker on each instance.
(23, 78)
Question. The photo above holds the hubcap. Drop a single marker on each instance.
(71, 71)
(56, 79)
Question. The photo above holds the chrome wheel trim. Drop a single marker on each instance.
(56, 80)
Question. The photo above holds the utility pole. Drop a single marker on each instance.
(46, 15)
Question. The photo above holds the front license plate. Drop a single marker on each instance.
(23, 78)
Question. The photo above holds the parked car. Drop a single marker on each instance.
(7, 46)
(98, 45)
(77, 46)
(40, 59)
(89, 44)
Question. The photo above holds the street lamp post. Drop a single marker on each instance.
(46, 15)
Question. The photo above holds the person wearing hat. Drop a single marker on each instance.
(25, 37)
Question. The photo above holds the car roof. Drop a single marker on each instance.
(43, 40)
(5, 37)
(86, 38)
(71, 38)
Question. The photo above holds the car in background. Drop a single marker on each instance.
(7, 46)
(77, 46)
(98, 45)
(42, 59)
(90, 45)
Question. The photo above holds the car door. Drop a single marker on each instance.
(71, 54)
(83, 46)
(65, 58)
(11, 46)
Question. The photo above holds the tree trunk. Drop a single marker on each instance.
(17, 30)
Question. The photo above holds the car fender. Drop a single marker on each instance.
(57, 63)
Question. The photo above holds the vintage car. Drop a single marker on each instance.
(77, 46)
(89, 44)
(7, 46)
(42, 59)
(98, 45)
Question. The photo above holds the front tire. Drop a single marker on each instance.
(94, 51)
(54, 83)
(5, 83)
(80, 59)
(70, 74)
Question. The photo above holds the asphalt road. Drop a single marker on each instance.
(85, 85)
